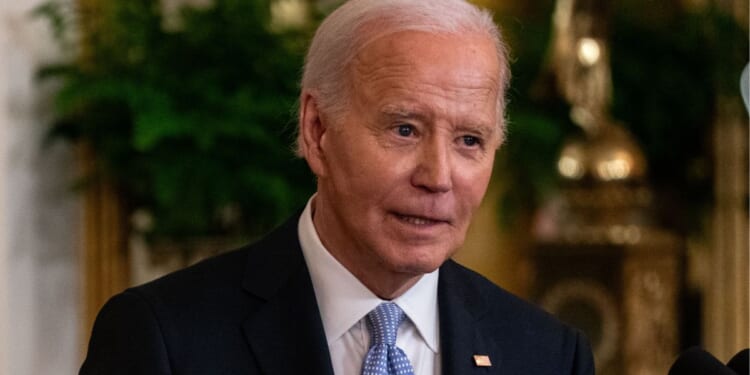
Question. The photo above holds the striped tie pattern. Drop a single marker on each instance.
(384, 357)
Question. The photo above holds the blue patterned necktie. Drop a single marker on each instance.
(384, 357)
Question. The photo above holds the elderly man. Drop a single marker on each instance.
(401, 111)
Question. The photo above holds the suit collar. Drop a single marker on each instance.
(462, 311)
(285, 333)
(273, 260)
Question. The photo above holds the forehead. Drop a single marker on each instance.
(469, 57)
(414, 70)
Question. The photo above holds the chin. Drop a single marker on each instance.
(421, 263)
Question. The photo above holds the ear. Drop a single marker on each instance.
(312, 128)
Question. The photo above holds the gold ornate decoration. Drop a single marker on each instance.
(596, 296)
(597, 242)
(605, 198)
(580, 56)
(650, 300)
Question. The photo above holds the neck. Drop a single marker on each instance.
(392, 288)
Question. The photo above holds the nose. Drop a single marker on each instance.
(434, 170)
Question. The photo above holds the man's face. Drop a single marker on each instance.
(402, 172)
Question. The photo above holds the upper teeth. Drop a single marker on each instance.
(415, 220)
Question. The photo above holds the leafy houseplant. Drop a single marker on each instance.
(191, 124)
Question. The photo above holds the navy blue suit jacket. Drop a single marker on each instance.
(253, 311)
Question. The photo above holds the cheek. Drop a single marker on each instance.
(346, 164)
(362, 177)
(375, 171)
(473, 186)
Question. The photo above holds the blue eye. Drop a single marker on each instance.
(470, 140)
(405, 130)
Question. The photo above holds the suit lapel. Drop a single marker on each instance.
(462, 309)
(285, 333)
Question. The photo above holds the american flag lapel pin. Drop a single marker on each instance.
(481, 360)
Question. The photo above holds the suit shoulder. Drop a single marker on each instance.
(229, 269)
(500, 302)
(540, 342)
(225, 268)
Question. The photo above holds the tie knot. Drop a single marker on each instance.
(383, 322)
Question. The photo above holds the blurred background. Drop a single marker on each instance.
(138, 137)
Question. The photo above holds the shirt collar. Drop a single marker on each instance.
(343, 300)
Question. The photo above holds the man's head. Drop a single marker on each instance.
(355, 24)
(401, 112)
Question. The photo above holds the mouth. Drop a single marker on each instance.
(420, 220)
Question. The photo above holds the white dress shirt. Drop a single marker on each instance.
(344, 302)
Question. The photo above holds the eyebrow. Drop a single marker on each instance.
(392, 112)
(397, 112)
(482, 130)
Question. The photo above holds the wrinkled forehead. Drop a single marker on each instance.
(382, 27)
(468, 60)
(425, 76)
(460, 73)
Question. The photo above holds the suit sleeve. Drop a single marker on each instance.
(126, 339)
(583, 361)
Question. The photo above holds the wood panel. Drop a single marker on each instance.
(104, 259)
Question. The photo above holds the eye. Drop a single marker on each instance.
(471, 141)
(405, 130)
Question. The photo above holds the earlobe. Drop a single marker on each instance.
(312, 130)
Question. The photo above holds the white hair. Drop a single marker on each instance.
(355, 24)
